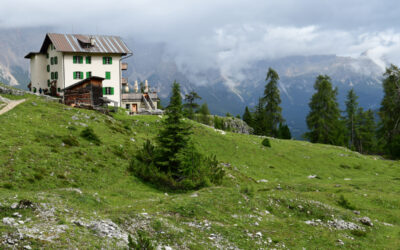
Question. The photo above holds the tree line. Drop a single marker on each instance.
(355, 128)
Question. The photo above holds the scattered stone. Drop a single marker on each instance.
(312, 176)
(259, 234)
(340, 242)
(75, 118)
(194, 195)
(347, 179)
(262, 181)
(366, 221)
(356, 212)
(16, 214)
(27, 247)
(133, 140)
(24, 204)
(34, 103)
(14, 205)
(9, 221)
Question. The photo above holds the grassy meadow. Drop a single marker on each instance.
(267, 196)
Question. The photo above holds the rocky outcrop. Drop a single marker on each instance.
(11, 91)
(237, 125)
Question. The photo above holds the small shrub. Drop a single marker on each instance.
(70, 140)
(120, 152)
(38, 176)
(7, 185)
(359, 233)
(266, 143)
(358, 167)
(142, 241)
(343, 202)
(344, 166)
(247, 190)
(89, 135)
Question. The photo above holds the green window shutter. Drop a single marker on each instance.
(112, 91)
(52, 75)
(48, 68)
(88, 74)
(51, 60)
(81, 59)
(104, 91)
(56, 75)
(110, 60)
(74, 75)
(74, 59)
(81, 75)
(88, 60)
(104, 60)
(55, 60)
(108, 75)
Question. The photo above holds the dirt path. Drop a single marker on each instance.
(10, 105)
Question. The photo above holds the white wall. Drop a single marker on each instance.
(56, 67)
(38, 71)
(98, 69)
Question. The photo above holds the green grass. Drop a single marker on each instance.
(43, 155)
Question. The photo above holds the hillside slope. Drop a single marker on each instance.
(59, 190)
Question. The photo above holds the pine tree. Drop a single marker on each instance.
(247, 117)
(284, 131)
(364, 133)
(390, 111)
(259, 121)
(273, 112)
(174, 136)
(351, 109)
(323, 121)
(191, 104)
(204, 114)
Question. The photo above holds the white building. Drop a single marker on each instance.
(65, 59)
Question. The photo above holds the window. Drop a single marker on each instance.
(51, 60)
(52, 76)
(56, 75)
(108, 75)
(48, 68)
(89, 74)
(55, 60)
(78, 59)
(127, 106)
(48, 83)
(107, 60)
(108, 91)
(34, 90)
(47, 55)
(58, 90)
(88, 60)
(78, 75)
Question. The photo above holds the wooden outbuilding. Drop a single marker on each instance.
(85, 93)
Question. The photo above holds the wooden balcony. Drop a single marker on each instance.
(124, 66)
(124, 81)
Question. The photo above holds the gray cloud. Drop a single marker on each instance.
(227, 35)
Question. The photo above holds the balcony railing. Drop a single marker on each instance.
(124, 66)
(124, 81)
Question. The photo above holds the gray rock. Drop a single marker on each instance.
(34, 104)
(366, 221)
(356, 212)
(9, 221)
(27, 247)
(14, 205)
(75, 118)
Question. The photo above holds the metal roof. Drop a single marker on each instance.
(80, 43)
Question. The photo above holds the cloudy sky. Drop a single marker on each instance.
(227, 33)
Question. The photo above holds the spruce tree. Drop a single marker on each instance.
(390, 111)
(273, 112)
(351, 110)
(174, 136)
(323, 121)
(204, 114)
(191, 104)
(284, 131)
(364, 133)
(247, 117)
(259, 121)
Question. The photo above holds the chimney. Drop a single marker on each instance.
(146, 87)
(136, 87)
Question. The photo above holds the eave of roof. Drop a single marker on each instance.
(30, 54)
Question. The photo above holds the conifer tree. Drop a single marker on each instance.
(284, 131)
(259, 121)
(247, 117)
(390, 111)
(323, 121)
(204, 114)
(191, 104)
(351, 111)
(364, 132)
(174, 135)
(273, 112)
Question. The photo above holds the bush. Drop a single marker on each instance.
(142, 242)
(195, 171)
(343, 202)
(266, 143)
(70, 140)
(89, 135)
